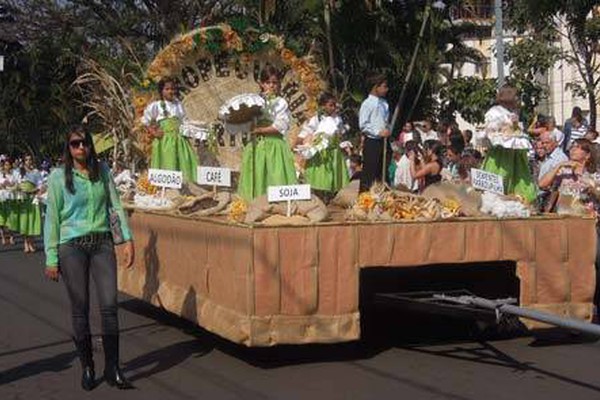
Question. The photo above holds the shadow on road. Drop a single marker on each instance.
(167, 357)
(164, 359)
(57, 363)
(487, 353)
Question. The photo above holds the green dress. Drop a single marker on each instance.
(173, 151)
(3, 213)
(30, 218)
(12, 216)
(513, 166)
(267, 162)
(327, 170)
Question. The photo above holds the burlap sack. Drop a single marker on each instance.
(469, 199)
(347, 196)
(206, 204)
(260, 209)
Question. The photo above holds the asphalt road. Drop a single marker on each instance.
(168, 358)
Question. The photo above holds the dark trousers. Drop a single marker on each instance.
(372, 162)
(77, 260)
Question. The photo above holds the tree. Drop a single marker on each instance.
(38, 101)
(471, 96)
(351, 39)
(581, 23)
(35, 102)
(529, 59)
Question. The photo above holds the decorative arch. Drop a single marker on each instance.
(213, 64)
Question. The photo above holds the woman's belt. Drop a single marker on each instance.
(91, 238)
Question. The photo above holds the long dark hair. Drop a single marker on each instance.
(586, 145)
(436, 147)
(92, 159)
(23, 169)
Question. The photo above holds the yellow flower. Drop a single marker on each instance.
(237, 211)
(139, 101)
(366, 201)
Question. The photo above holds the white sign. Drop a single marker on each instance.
(287, 193)
(165, 178)
(214, 176)
(487, 181)
(1, 63)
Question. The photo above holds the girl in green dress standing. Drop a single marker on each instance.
(30, 217)
(326, 170)
(170, 149)
(6, 202)
(267, 159)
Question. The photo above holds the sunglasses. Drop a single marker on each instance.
(77, 143)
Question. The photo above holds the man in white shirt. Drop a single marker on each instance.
(555, 154)
(427, 132)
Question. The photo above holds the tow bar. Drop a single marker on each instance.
(463, 304)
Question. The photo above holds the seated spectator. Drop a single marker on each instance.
(356, 164)
(554, 156)
(428, 170)
(468, 161)
(427, 132)
(468, 137)
(453, 155)
(408, 133)
(554, 153)
(569, 177)
(402, 176)
(592, 136)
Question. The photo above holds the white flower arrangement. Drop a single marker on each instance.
(492, 204)
(320, 140)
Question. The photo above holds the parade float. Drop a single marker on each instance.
(261, 273)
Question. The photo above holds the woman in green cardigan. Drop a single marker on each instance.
(78, 243)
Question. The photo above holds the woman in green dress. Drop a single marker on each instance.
(6, 201)
(170, 149)
(267, 160)
(508, 156)
(30, 218)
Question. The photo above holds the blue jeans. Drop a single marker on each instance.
(95, 255)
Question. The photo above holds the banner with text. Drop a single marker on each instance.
(165, 178)
(288, 193)
(214, 176)
(487, 181)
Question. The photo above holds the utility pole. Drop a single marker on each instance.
(499, 42)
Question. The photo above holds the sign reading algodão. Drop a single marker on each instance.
(165, 178)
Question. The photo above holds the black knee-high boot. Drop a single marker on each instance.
(112, 373)
(84, 351)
